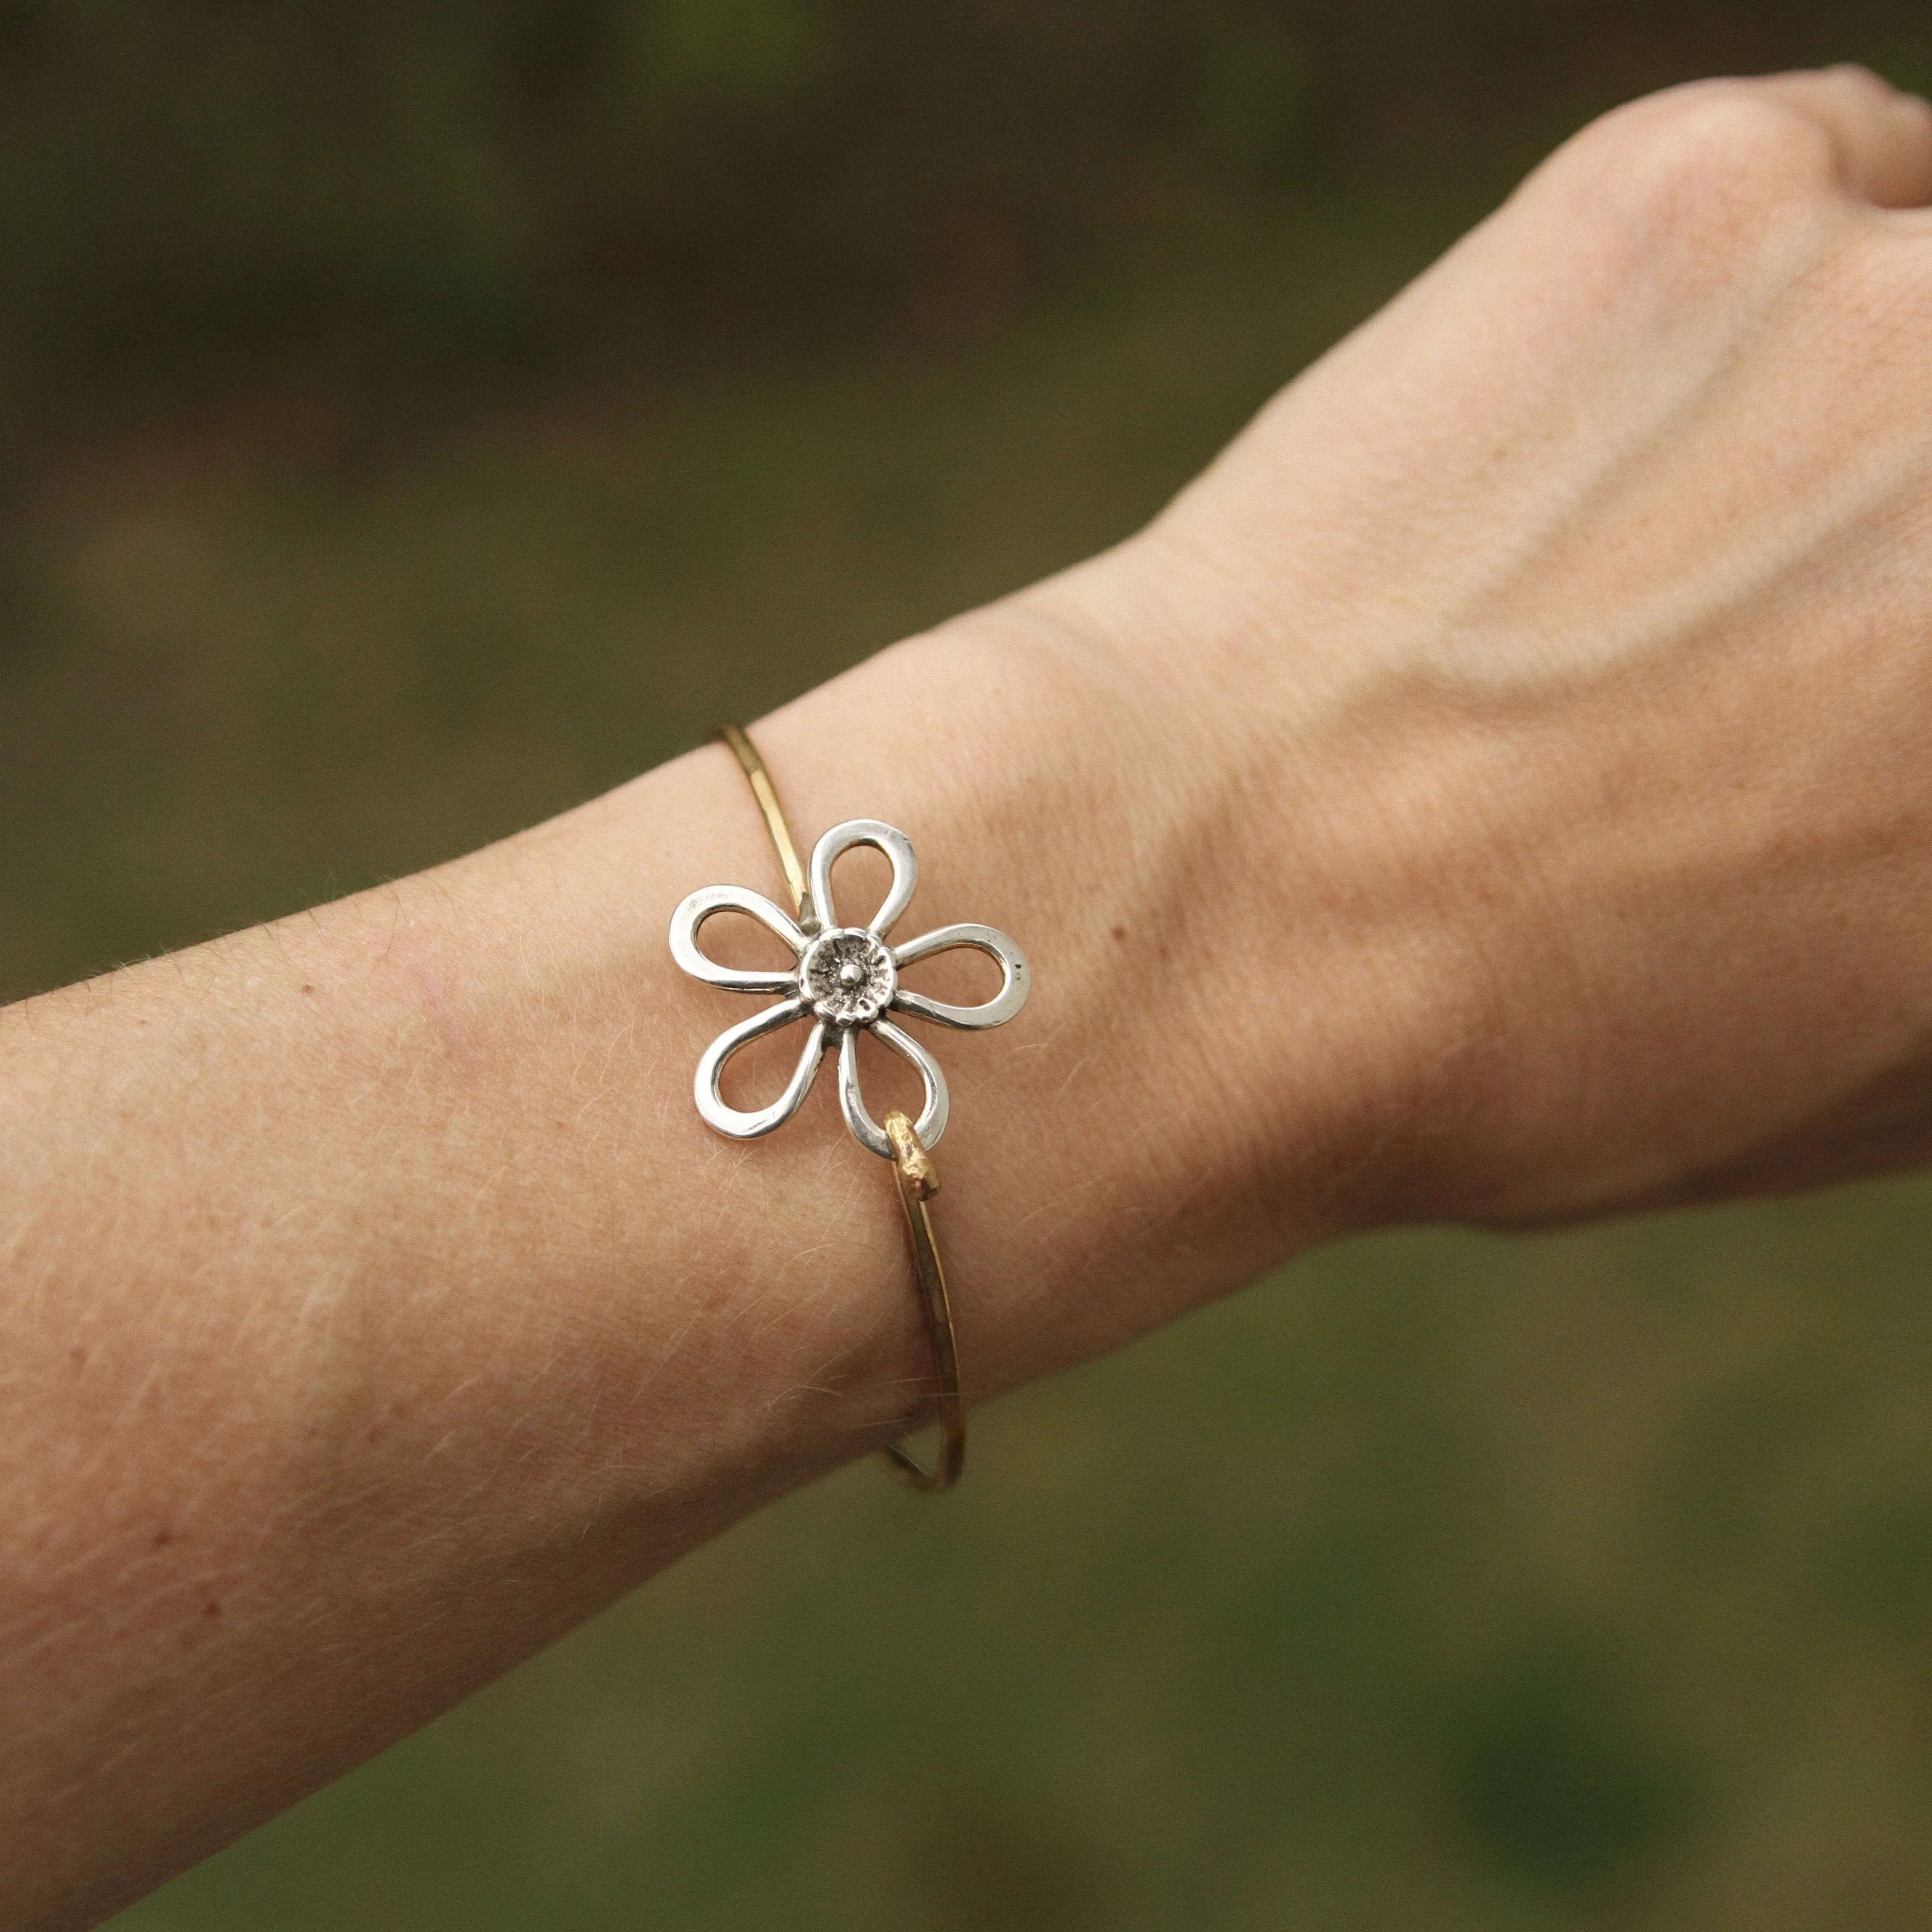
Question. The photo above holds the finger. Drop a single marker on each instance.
(1883, 138)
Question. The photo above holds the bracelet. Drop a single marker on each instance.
(845, 979)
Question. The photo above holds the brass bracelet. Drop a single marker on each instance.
(843, 980)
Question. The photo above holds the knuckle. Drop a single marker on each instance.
(1859, 85)
(1702, 173)
(1735, 135)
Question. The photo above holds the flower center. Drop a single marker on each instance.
(847, 974)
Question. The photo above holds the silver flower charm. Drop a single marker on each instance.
(843, 980)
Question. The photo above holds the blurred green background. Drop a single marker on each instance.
(421, 417)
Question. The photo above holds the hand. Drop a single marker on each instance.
(1548, 673)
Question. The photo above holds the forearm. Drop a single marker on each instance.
(377, 1307)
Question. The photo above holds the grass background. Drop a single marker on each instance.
(422, 418)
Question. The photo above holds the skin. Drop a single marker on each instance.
(1496, 790)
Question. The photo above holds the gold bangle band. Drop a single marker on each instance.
(913, 1169)
(766, 793)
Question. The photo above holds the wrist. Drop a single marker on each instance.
(1217, 1062)
(1312, 889)
(1216, 1069)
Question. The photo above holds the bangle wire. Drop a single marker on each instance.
(912, 1167)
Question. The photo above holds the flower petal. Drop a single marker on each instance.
(932, 1122)
(1015, 982)
(889, 840)
(690, 916)
(748, 1127)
